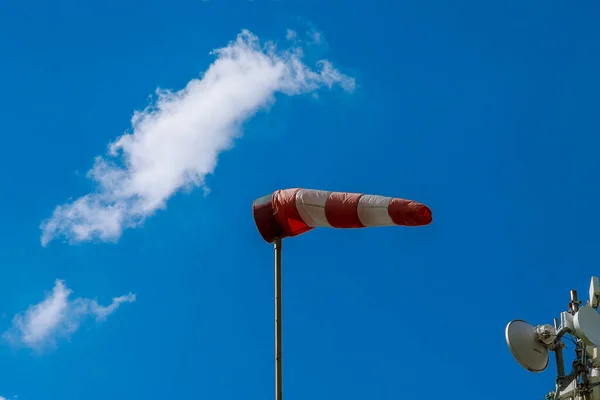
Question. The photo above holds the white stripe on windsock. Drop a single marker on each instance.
(373, 210)
(311, 207)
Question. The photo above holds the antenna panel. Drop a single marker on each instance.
(587, 325)
(594, 292)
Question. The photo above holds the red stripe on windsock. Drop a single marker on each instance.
(409, 213)
(286, 213)
(341, 210)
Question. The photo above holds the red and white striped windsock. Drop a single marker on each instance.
(291, 212)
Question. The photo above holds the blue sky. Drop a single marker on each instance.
(485, 111)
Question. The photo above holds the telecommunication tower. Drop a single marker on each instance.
(530, 346)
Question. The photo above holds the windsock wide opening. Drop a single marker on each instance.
(264, 218)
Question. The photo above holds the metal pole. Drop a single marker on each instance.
(560, 362)
(278, 370)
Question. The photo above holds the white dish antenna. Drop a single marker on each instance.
(587, 325)
(522, 339)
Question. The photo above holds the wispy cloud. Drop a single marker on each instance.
(175, 142)
(290, 34)
(57, 317)
(315, 36)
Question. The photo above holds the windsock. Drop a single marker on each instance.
(291, 212)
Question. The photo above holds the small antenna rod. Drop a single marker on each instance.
(574, 304)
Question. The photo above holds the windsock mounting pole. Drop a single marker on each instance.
(278, 370)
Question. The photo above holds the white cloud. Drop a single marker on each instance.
(57, 317)
(175, 142)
